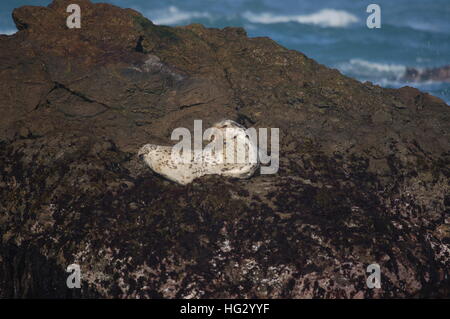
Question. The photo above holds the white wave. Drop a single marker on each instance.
(172, 15)
(366, 69)
(428, 26)
(390, 75)
(8, 31)
(324, 18)
(424, 86)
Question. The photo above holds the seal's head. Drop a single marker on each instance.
(228, 124)
(146, 150)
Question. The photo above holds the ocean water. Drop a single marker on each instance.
(413, 34)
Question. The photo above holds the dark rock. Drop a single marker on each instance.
(440, 74)
(364, 171)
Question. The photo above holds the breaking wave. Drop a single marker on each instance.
(392, 76)
(172, 15)
(324, 18)
(372, 70)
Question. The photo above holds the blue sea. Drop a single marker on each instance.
(413, 33)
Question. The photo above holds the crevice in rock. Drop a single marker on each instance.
(58, 85)
(139, 48)
(238, 100)
(186, 106)
(190, 105)
(44, 99)
(78, 94)
(227, 76)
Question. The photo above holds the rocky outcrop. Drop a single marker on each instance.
(441, 74)
(364, 171)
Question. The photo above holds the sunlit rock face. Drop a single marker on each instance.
(230, 152)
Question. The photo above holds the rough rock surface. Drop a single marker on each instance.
(364, 171)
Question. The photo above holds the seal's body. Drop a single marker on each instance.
(234, 154)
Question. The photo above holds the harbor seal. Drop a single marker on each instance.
(232, 152)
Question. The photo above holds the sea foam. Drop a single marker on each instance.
(368, 69)
(324, 18)
(172, 15)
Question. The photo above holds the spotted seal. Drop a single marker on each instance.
(235, 155)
